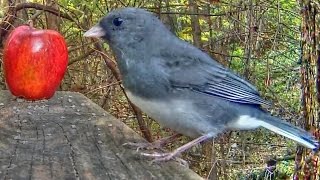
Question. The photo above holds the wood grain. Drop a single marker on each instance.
(70, 137)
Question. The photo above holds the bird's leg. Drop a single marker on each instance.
(167, 156)
(158, 144)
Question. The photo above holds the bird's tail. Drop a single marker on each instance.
(290, 131)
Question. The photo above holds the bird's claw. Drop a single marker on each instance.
(159, 157)
(143, 145)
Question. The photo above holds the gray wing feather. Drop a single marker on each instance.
(204, 75)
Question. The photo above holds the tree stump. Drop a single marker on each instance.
(70, 137)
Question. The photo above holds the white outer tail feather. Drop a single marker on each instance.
(287, 134)
(246, 122)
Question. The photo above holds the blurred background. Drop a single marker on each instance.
(274, 44)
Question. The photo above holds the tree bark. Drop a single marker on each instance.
(306, 162)
(52, 21)
(195, 25)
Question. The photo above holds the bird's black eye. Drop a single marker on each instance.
(117, 21)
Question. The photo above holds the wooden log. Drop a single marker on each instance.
(70, 137)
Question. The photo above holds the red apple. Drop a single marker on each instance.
(34, 62)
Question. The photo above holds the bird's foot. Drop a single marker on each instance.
(160, 157)
(154, 145)
(158, 144)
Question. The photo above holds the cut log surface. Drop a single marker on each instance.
(70, 137)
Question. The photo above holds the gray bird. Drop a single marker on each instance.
(180, 86)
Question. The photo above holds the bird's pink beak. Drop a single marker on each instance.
(95, 31)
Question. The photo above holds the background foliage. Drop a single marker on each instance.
(267, 42)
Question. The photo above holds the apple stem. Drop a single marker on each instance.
(30, 23)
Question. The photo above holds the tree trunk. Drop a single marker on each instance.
(248, 42)
(306, 162)
(195, 25)
(52, 20)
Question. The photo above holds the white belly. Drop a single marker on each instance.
(178, 115)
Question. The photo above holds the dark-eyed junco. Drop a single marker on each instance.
(182, 87)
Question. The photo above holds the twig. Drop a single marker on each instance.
(79, 58)
(102, 87)
(11, 15)
(46, 8)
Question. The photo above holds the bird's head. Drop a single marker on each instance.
(127, 27)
